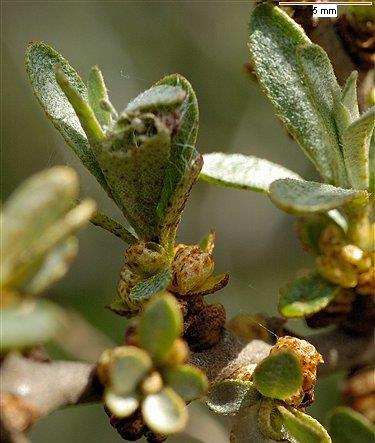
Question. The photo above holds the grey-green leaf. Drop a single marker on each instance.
(144, 290)
(188, 381)
(158, 97)
(136, 176)
(324, 91)
(128, 367)
(356, 145)
(112, 226)
(245, 428)
(96, 93)
(349, 95)
(303, 428)
(184, 163)
(348, 426)
(299, 196)
(242, 171)
(28, 324)
(159, 326)
(306, 296)
(231, 396)
(41, 61)
(121, 406)
(274, 38)
(278, 375)
(165, 412)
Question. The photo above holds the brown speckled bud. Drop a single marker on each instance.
(191, 267)
(151, 437)
(145, 258)
(128, 280)
(205, 328)
(309, 359)
(359, 392)
(337, 271)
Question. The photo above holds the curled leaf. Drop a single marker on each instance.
(96, 93)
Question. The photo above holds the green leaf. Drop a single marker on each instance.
(85, 114)
(143, 291)
(278, 375)
(305, 296)
(129, 365)
(372, 166)
(164, 412)
(29, 323)
(303, 428)
(53, 267)
(242, 171)
(160, 325)
(274, 38)
(96, 93)
(348, 426)
(299, 197)
(207, 243)
(119, 405)
(184, 163)
(324, 92)
(110, 225)
(356, 145)
(41, 61)
(245, 428)
(270, 421)
(232, 396)
(349, 95)
(158, 97)
(188, 381)
(136, 177)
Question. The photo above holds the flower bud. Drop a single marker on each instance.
(191, 267)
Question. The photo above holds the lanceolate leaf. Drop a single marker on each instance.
(303, 428)
(41, 61)
(184, 164)
(165, 412)
(278, 376)
(232, 396)
(348, 426)
(356, 145)
(110, 225)
(144, 290)
(299, 197)
(274, 38)
(242, 171)
(324, 91)
(349, 95)
(160, 325)
(97, 91)
(306, 296)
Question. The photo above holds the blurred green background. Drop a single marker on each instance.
(136, 43)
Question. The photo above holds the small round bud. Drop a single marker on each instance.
(152, 384)
(145, 258)
(178, 355)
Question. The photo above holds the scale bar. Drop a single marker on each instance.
(325, 3)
